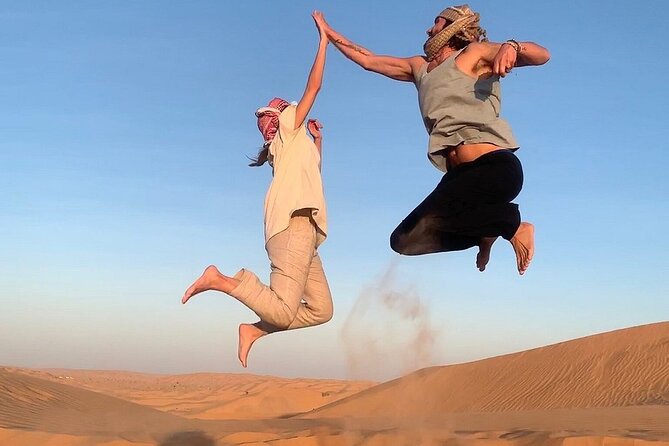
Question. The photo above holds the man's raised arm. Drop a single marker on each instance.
(503, 57)
(398, 68)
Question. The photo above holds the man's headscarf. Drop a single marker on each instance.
(463, 24)
(268, 118)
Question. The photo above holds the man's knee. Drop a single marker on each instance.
(407, 246)
(399, 243)
(395, 242)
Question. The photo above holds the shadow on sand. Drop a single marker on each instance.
(194, 438)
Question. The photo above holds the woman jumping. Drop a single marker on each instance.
(295, 223)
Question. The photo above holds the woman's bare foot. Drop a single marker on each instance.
(483, 256)
(211, 279)
(523, 245)
(248, 334)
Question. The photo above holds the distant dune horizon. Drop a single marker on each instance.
(605, 389)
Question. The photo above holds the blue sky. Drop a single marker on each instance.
(124, 131)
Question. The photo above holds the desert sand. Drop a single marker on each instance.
(607, 389)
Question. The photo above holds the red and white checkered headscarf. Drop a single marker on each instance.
(268, 118)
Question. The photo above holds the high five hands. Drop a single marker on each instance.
(321, 24)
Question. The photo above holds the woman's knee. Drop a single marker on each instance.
(322, 311)
(325, 315)
(280, 319)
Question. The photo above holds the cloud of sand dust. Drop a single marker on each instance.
(388, 332)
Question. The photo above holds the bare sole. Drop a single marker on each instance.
(523, 246)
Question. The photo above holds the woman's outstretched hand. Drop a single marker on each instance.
(314, 128)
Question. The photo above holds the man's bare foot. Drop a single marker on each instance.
(248, 334)
(523, 245)
(211, 279)
(483, 256)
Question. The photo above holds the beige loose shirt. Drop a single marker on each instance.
(297, 180)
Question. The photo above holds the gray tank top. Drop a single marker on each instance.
(458, 108)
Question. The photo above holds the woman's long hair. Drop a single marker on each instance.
(261, 157)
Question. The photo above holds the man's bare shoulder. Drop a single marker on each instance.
(416, 62)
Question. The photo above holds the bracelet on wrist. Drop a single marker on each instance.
(516, 46)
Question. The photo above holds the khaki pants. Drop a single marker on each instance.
(298, 295)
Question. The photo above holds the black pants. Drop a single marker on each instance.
(472, 200)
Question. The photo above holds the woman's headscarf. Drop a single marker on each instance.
(268, 118)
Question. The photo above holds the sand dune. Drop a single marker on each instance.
(210, 396)
(33, 404)
(604, 390)
(627, 367)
